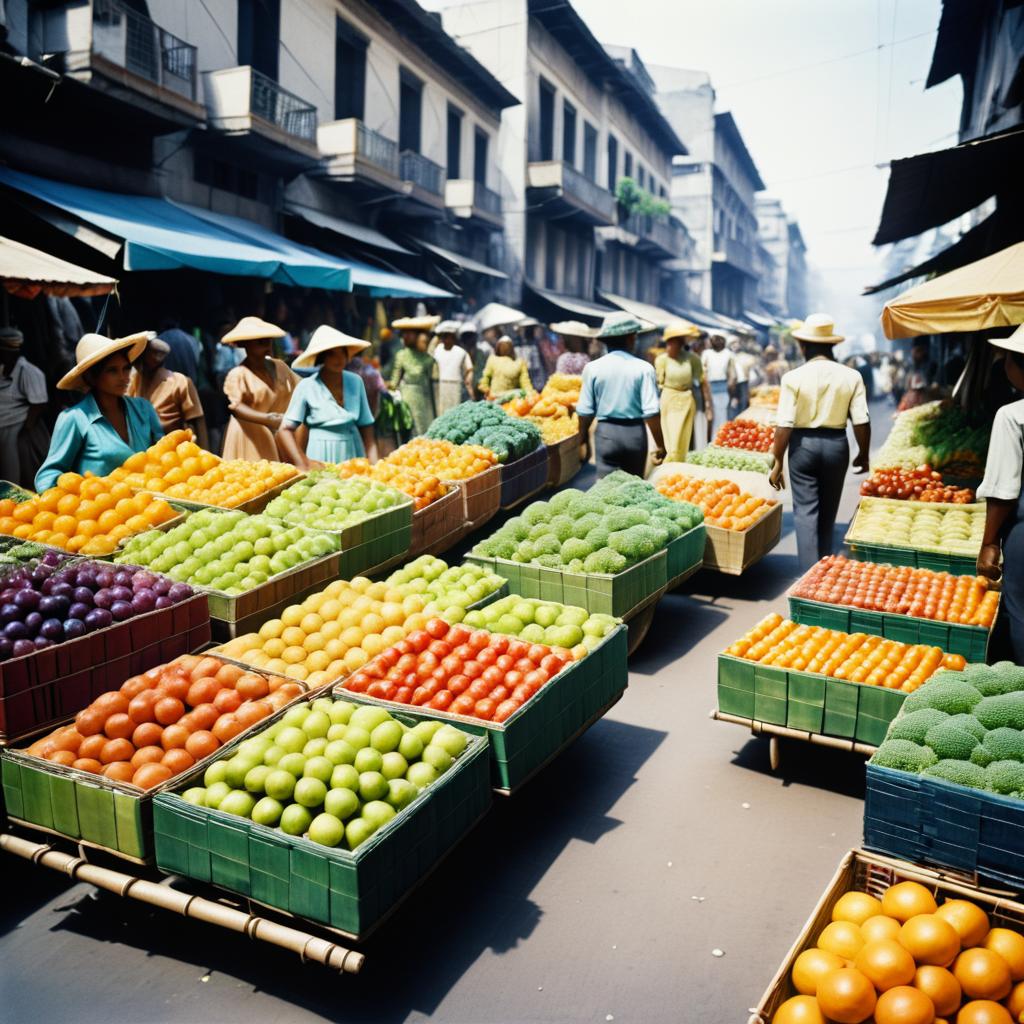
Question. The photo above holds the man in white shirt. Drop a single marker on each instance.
(24, 439)
(455, 368)
(720, 373)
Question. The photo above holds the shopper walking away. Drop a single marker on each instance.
(620, 391)
(576, 337)
(105, 427)
(414, 370)
(258, 392)
(173, 395)
(1002, 547)
(742, 361)
(679, 372)
(24, 439)
(703, 417)
(454, 368)
(720, 371)
(815, 402)
(504, 371)
(479, 349)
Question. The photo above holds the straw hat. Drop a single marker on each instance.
(11, 338)
(324, 339)
(617, 324)
(573, 329)
(158, 345)
(819, 328)
(94, 348)
(415, 323)
(1014, 343)
(680, 329)
(251, 328)
(447, 327)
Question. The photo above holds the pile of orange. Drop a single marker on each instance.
(178, 467)
(442, 458)
(88, 514)
(160, 723)
(903, 959)
(856, 657)
(560, 394)
(723, 503)
(423, 487)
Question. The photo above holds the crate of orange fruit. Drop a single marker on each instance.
(94, 778)
(892, 944)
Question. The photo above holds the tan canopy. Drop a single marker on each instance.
(27, 272)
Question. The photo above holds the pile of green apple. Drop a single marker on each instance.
(450, 589)
(542, 622)
(326, 501)
(332, 771)
(956, 531)
(229, 552)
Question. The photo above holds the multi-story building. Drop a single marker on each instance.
(588, 119)
(782, 287)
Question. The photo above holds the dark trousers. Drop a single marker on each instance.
(818, 462)
(1013, 583)
(619, 445)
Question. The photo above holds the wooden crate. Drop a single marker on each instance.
(733, 551)
(564, 461)
(439, 526)
(481, 495)
(524, 477)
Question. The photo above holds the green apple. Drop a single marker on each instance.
(345, 776)
(357, 831)
(437, 757)
(421, 774)
(215, 773)
(267, 811)
(326, 830)
(342, 803)
(292, 739)
(372, 785)
(387, 736)
(393, 765)
(309, 792)
(368, 717)
(279, 785)
(294, 763)
(451, 740)
(368, 760)
(410, 746)
(378, 813)
(339, 752)
(316, 724)
(296, 715)
(401, 793)
(356, 737)
(196, 795)
(239, 802)
(426, 729)
(256, 778)
(341, 712)
(314, 748)
(238, 767)
(216, 793)
(295, 820)
(318, 768)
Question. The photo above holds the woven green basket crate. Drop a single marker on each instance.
(685, 554)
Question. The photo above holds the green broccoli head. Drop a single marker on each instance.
(574, 548)
(576, 565)
(1005, 709)
(962, 773)
(904, 756)
(562, 527)
(585, 523)
(638, 542)
(970, 723)
(562, 501)
(547, 545)
(914, 725)
(1006, 777)
(994, 680)
(525, 552)
(946, 692)
(623, 518)
(1005, 744)
(950, 742)
(670, 526)
(982, 756)
(549, 561)
(538, 512)
(518, 527)
(604, 560)
(597, 537)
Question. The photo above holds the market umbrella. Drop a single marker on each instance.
(495, 314)
(26, 272)
(984, 294)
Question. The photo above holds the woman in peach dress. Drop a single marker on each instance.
(258, 392)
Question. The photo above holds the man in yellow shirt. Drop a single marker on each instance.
(815, 402)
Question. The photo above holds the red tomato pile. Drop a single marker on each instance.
(746, 434)
(921, 484)
(900, 590)
(160, 723)
(462, 670)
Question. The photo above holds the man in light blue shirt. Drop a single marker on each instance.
(621, 393)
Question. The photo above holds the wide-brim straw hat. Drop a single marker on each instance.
(324, 339)
(680, 329)
(618, 324)
(1014, 343)
(415, 323)
(573, 329)
(252, 328)
(820, 329)
(94, 348)
(447, 327)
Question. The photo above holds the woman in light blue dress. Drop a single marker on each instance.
(330, 408)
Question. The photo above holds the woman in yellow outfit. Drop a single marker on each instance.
(679, 371)
(504, 371)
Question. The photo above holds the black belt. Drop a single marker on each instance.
(621, 423)
(821, 431)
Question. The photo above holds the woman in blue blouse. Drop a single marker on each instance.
(105, 427)
(332, 405)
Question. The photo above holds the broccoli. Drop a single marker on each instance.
(597, 537)
(562, 527)
(670, 526)
(951, 695)
(623, 518)
(585, 503)
(517, 527)
(574, 548)
(576, 565)
(1005, 744)
(970, 723)
(913, 726)
(604, 560)
(538, 512)
(1006, 777)
(637, 543)
(562, 501)
(525, 552)
(537, 531)
(549, 561)
(991, 681)
(1006, 709)
(585, 523)
(962, 773)
(548, 545)
(950, 742)
(503, 547)
(904, 756)
(982, 756)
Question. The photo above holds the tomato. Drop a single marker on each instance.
(374, 671)
(458, 684)
(513, 678)
(537, 653)
(562, 654)
(523, 692)
(488, 656)
(464, 651)
(505, 709)
(429, 659)
(418, 641)
(403, 694)
(552, 664)
(499, 693)
(407, 663)
(458, 634)
(437, 628)
(518, 649)
(421, 695)
(403, 647)
(479, 639)
(439, 674)
(493, 675)
(536, 678)
(472, 669)
(462, 705)
(505, 662)
(442, 699)
(484, 709)
(479, 689)
(378, 688)
(389, 658)
(452, 665)
(524, 665)
(358, 682)
(500, 643)
(439, 649)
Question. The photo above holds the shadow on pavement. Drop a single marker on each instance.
(806, 764)
(27, 888)
(765, 581)
(680, 623)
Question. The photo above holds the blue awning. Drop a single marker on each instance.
(161, 235)
(382, 284)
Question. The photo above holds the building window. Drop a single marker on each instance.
(627, 165)
(533, 229)
(569, 133)
(590, 151)
(551, 258)
(259, 35)
(547, 120)
(583, 269)
(349, 71)
(229, 177)
(410, 111)
(454, 142)
(641, 175)
(481, 144)
(613, 162)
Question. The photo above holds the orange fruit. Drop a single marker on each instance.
(810, 966)
(1014, 1002)
(846, 996)
(886, 963)
(799, 1010)
(880, 927)
(940, 987)
(856, 907)
(904, 1005)
(983, 1011)
(906, 900)
(1010, 946)
(842, 938)
(982, 974)
(930, 940)
(969, 920)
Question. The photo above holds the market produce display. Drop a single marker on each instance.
(422, 486)
(332, 771)
(487, 424)
(15, 553)
(449, 667)
(560, 394)
(449, 461)
(905, 959)
(178, 468)
(543, 622)
(617, 523)
(920, 484)
(940, 435)
(53, 601)
(556, 428)
(900, 590)
(955, 531)
(748, 435)
(855, 657)
(229, 552)
(326, 501)
(339, 629)
(87, 515)
(964, 727)
(766, 395)
(160, 723)
(731, 458)
(722, 502)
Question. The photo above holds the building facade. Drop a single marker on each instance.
(782, 288)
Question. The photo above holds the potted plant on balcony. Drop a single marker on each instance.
(631, 199)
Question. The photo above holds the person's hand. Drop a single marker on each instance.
(313, 464)
(988, 562)
(860, 463)
(585, 449)
(775, 477)
(274, 420)
(659, 456)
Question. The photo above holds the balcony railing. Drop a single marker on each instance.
(588, 191)
(278, 106)
(420, 171)
(486, 199)
(377, 149)
(131, 41)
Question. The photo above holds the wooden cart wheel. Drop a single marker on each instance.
(773, 753)
(639, 626)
